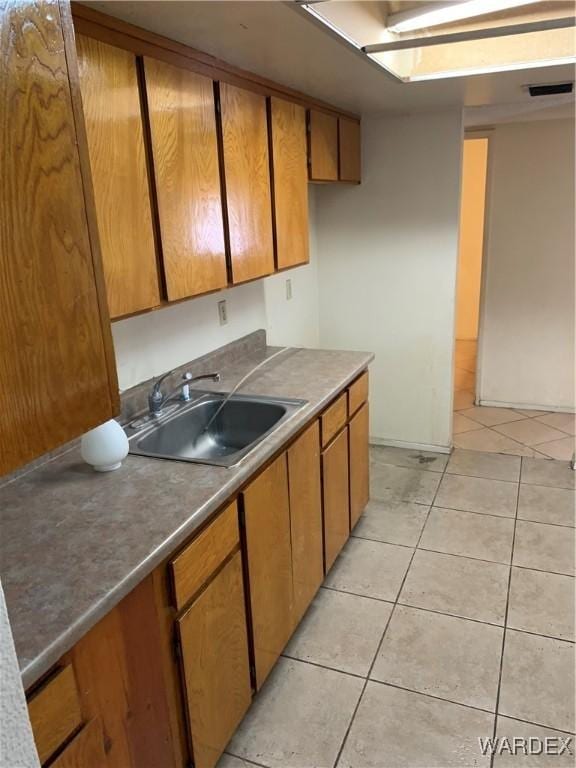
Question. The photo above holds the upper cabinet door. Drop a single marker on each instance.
(57, 375)
(185, 151)
(111, 99)
(349, 150)
(290, 182)
(247, 174)
(323, 146)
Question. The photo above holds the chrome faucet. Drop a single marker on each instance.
(157, 399)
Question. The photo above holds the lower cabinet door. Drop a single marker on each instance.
(335, 497)
(86, 750)
(269, 554)
(306, 517)
(359, 464)
(216, 668)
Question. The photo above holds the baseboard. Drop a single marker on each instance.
(526, 406)
(411, 446)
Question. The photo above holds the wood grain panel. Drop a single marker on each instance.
(247, 178)
(267, 522)
(53, 368)
(55, 712)
(198, 561)
(358, 430)
(111, 101)
(357, 393)
(185, 149)
(290, 182)
(120, 673)
(86, 750)
(306, 518)
(334, 418)
(349, 150)
(335, 498)
(323, 146)
(215, 662)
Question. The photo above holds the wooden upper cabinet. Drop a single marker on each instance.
(349, 150)
(111, 99)
(57, 371)
(247, 176)
(290, 182)
(269, 555)
(185, 152)
(215, 663)
(323, 146)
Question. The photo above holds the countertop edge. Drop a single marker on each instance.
(42, 663)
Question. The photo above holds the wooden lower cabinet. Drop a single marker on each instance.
(359, 461)
(335, 497)
(215, 663)
(269, 561)
(306, 518)
(86, 750)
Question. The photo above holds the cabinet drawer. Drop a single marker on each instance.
(334, 419)
(357, 393)
(55, 712)
(195, 564)
(86, 750)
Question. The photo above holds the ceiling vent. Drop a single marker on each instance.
(550, 90)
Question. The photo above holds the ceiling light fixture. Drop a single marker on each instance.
(433, 14)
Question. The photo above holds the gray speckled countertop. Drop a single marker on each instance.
(75, 542)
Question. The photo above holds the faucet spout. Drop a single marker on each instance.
(157, 399)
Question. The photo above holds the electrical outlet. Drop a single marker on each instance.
(222, 312)
(288, 289)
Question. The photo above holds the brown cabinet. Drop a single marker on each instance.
(269, 561)
(290, 182)
(86, 750)
(247, 182)
(183, 134)
(215, 663)
(111, 101)
(57, 370)
(359, 460)
(306, 518)
(335, 497)
(350, 164)
(322, 146)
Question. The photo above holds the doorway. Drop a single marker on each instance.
(470, 254)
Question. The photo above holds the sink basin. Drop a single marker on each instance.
(241, 424)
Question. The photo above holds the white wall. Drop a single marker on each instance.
(387, 265)
(527, 332)
(149, 344)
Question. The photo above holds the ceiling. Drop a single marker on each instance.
(279, 40)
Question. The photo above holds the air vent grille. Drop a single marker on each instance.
(551, 90)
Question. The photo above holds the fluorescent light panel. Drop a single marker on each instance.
(444, 13)
(482, 70)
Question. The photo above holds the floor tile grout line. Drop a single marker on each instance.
(379, 646)
(506, 610)
(473, 512)
(435, 611)
(431, 696)
(246, 760)
(355, 675)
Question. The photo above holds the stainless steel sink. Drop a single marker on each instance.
(183, 435)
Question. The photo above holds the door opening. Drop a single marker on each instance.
(471, 247)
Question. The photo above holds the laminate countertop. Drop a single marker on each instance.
(74, 542)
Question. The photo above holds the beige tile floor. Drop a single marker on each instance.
(448, 616)
(505, 430)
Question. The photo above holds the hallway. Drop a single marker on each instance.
(505, 430)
